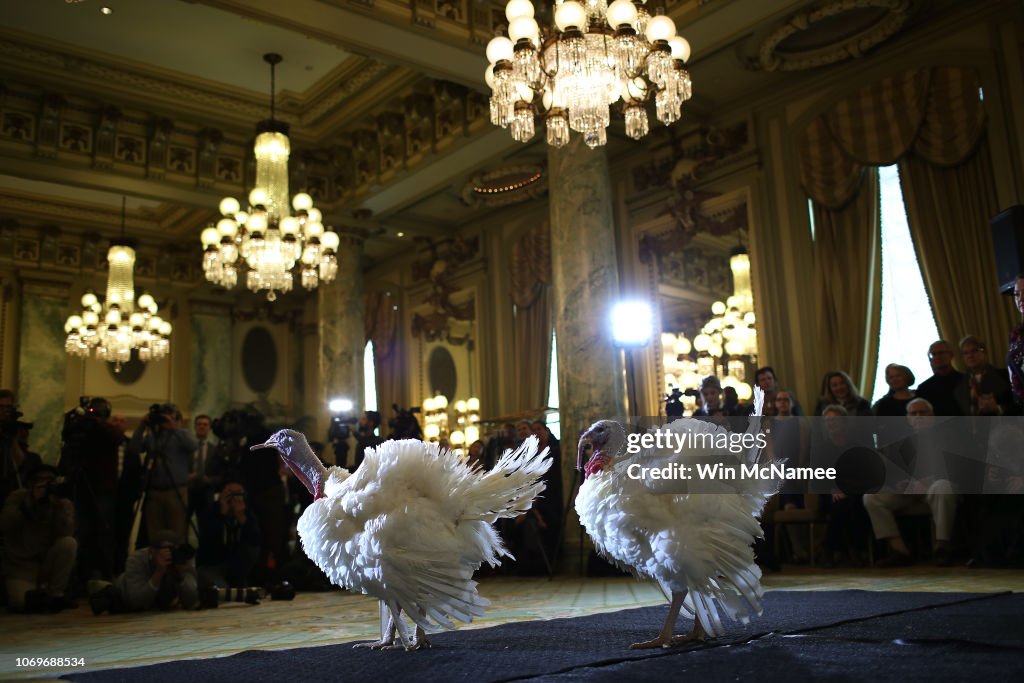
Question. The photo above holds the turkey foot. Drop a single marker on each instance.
(697, 635)
(421, 642)
(377, 644)
(383, 643)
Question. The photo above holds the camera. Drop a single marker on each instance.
(156, 415)
(210, 598)
(341, 427)
(182, 554)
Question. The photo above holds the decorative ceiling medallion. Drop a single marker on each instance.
(505, 185)
(834, 32)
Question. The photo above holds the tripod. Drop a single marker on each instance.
(152, 458)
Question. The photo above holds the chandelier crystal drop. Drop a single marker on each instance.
(596, 56)
(267, 236)
(116, 325)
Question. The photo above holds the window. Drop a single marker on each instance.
(908, 326)
(369, 379)
(551, 418)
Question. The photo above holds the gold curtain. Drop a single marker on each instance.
(531, 295)
(931, 120)
(848, 260)
(948, 210)
(382, 316)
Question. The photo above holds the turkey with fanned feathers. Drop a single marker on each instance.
(411, 524)
(696, 545)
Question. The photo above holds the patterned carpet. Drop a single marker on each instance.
(325, 618)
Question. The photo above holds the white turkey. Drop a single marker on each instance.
(411, 525)
(697, 546)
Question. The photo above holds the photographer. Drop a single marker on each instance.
(229, 540)
(366, 434)
(160, 576)
(17, 460)
(89, 459)
(39, 550)
(169, 451)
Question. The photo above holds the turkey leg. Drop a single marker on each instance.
(664, 638)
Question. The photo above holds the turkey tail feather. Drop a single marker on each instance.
(509, 489)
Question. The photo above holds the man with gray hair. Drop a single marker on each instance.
(924, 460)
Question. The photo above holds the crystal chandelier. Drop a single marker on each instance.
(572, 73)
(267, 237)
(119, 323)
(727, 343)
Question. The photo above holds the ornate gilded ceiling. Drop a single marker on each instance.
(159, 100)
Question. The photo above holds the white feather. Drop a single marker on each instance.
(697, 543)
(413, 523)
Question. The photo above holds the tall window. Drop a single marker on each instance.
(369, 379)
(908, 325)
(551, 418)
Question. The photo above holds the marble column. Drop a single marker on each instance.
(42, 365)
(211, 359)
(591, 381)
(341, 328)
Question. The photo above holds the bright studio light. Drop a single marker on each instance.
(340, 405)
(632, 324)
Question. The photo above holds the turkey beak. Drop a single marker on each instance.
(581, 450)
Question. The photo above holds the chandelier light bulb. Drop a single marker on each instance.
(302, 202)
(314, 215)
(289, 226)
(89, 300)
(499, 49)
(622, 13)
(516, 9)
(257, 222)
(146, 301)
(227, 227)
(523, 27)
(330, 240)
(313, 229)
(660, 28)
(680, 48)
(489, 76)
(210, 237)
(136, 320)
(570, 14)
(258, 197)
(165, 328)
(229, 206)
(73, 323)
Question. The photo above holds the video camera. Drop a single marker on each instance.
(404, 424)
(210, 598)
(674, 403)
(341, 427)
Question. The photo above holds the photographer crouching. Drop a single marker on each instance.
(161, 576)
(169, 450)
(39, 549)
